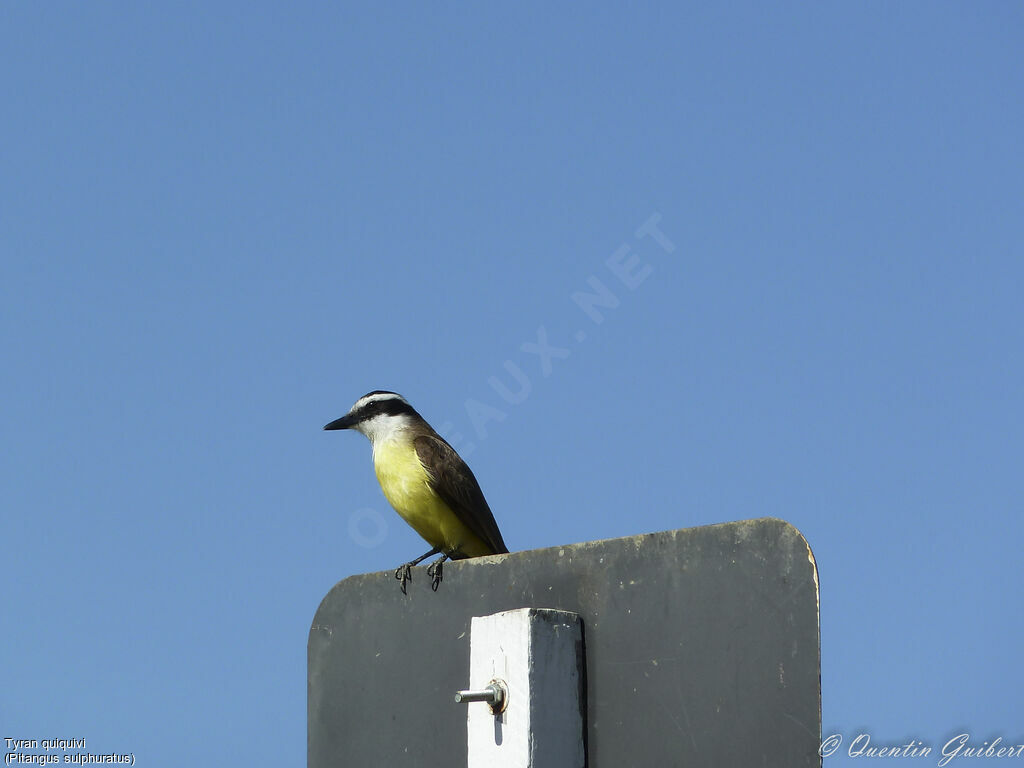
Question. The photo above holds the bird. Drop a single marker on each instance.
(426, 481)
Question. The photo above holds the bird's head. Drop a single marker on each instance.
(379, 415)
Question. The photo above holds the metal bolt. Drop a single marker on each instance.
(495, 694)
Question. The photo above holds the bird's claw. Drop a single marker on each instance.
(436, 573)
(404, 575)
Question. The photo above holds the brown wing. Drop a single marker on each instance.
(454, 482)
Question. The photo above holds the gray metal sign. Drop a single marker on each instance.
(701, 649)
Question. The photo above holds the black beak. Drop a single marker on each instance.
(343, 423)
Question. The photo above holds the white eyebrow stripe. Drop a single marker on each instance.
(379, 397)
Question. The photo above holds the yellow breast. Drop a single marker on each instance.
(406, 486)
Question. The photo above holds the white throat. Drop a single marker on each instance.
(384, 429)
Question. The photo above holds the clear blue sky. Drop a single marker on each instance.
(222, 223)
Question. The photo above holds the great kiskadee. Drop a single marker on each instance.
(426, 482)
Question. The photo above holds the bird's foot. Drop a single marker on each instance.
(404, 572)
(404, 575)
(436, 572)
